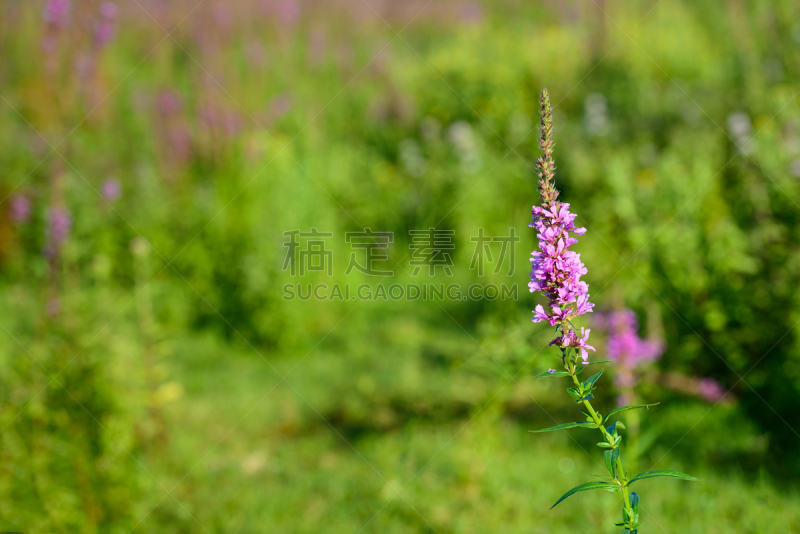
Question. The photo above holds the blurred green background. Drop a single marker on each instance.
(156, 378)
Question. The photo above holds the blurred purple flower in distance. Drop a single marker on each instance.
(56, 12)
(106, 28)
(289, 11)
(49, 43)
(111, 189)
(169, 102)
(255, 53)
(60, 224)
(279, 106)
(20, 209)
(627, 349)
(624, 344)
(108, 10)
(104, 33)
(707, 389)
(56, 15)
(223, 16)
(471, 12)
(221, 120)
(630, 352)
(710, 390)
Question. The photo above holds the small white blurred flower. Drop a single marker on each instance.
(739, 124)
(411, 157)
(461, 136)
(739, 128)
(596, 114)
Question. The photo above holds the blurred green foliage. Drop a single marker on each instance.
(154, 378)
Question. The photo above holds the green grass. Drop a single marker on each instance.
(285, 461)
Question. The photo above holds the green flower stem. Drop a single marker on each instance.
(621, 476)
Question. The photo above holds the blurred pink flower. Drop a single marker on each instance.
(169, 102)
(278, 107)
(224, 121)
(108, 10)
(471, 12)
(20, 209)
(111, 189)
(106, 28)
(706, 388)
(49, 43)
(288, 11)
(710, 390)
(254, 51)
(56, 12)
(627, 349)
(175, 135)
(60, 224)
(104, 32)
(223, 17)
(624, 344)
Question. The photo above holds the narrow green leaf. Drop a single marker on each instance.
(586, 487)
(611, 461)
(566, 425)
(662, 473)
(626, 408)
(596, 361)
(589, 382)
(634, 498)
(604, 445)
(573, 392)
(586, 398)
(548, 373)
